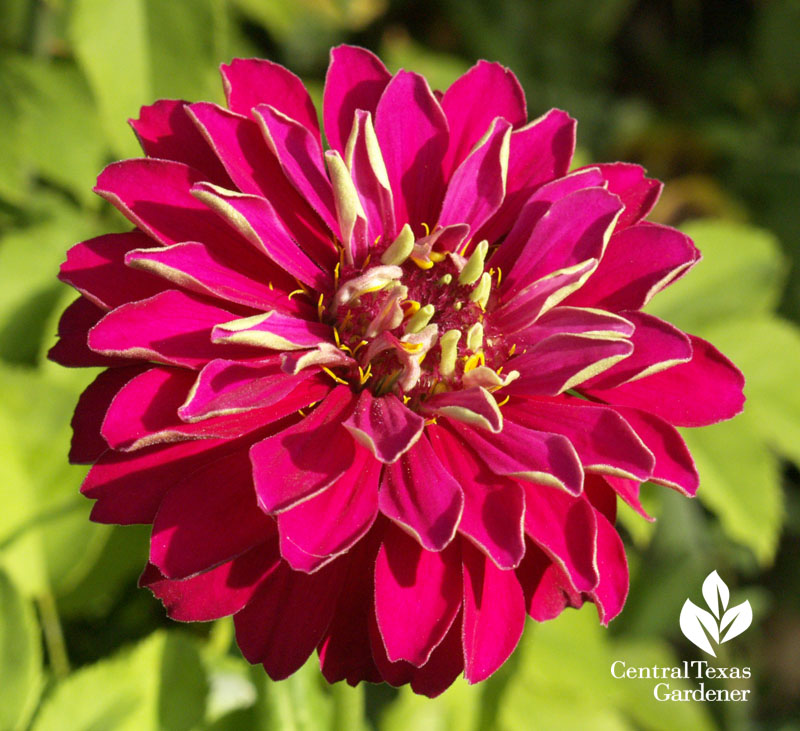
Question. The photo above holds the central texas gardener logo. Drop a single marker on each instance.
(718, 625)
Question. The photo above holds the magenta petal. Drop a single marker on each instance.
(565, 528)
(72, 349)
(473, 101)
(413, 135)
(287, 617)
(222, 591)
(638, 263)
(273, 330)
(706, 390)
(166, 131)
(526, 454)
(355, 80)
(291, 466)
(657, 345)
(331, 522)
(384, 426)
(628, 490)
(478, 186)
(250, 82)
(186, 537)
(612, 565)
(494, 615)
(129, 487)
(231, 387)
(475, 406)
(573, 320)
(604, 441)
(419, 494)
(417, 596)
(96, 268)
(638, 193)
(259, 223)
(444, 666)
(547, 588)
(170, 327)
(562, 361)
(493, 506)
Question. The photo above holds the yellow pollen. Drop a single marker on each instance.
(336, 274)
(430, 421)
(334, 376)
(364, 375)
(412, 347)
(422, 263)
(410, 307)
(294, 292)
(437, 256)
(504, 401)
(427, 228)
(270, 285)
(337, 338)
(499, 370)
(359, 346)
(499, 275)
(301, 412)
(406, 399)
(513, 349)
(375, 243)
(473, 361)
(320, 307)
(366, 261)
(465, 247)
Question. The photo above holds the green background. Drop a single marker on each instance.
(705, 94)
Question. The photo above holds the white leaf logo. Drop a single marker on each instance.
(720, 624)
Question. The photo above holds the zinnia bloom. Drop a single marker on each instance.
(380, 400)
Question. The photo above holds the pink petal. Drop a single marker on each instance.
(657, 345)
(129, 486)
(706, 390)
(612, 565)
(573, 320)
(547, 588)
(253, 81)
(638, 193)
(192, 266)
(230, 387)
(417, 596)
(494, 615)
(539, 152)
(222, 591)
(290, 466)
(300, 156)
(96, 268)
(674, 464)
(394, 673)
(493, 506)
(170, 327)
(604, 441)
(287, 617)
(638, 263)
(273, 330)
(533, 456)
(628, 490)
(565, 528)
(413, 135)
(478, 186)
(355, 80)
(166, 131)
(259, 223)
(473, 101)
(384, 426)
(474, 406)
(419, 494)
(186, 534)
(72, 349)
(574, 229)
(87, 442)
(563, 361)
(331, 522)
(445, 665)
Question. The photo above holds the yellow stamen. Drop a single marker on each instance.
(337, 338)
(499, 370)
(377, 239)
(301, 412)
(474, 361)
(366, 261)
(422, 263)
(430, 421)
(513, 349)
(504, 401)
(334, 376)
(499, 275)
(437, 256)
(412, 348)
(347, 317)
(364, 375)
(320, 306)
(359, 346)
(410, 307)
(427, 229)
(336, 274)
(270, 285)
(406, 399)
(294, 292)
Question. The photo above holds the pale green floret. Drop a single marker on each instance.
(420, 319)
(480, 294)
(474, 266)
(449, 345)
(401, 248)
(475, 337)
(445, 279)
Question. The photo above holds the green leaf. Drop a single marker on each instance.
(20, 657)
(160, 685)
(458, 707)
(741, 273)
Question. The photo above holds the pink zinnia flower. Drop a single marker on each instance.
(380, 400)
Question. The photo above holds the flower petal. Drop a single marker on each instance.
(290, 467)
(384, 426)
(273, 330)
(355, 80)
(253, 81)
(417, 596)
(706, 390)
(494, 615)
(564, 319)
(638, 193)
(612, 565)
(473, 101)
(445, 665)
(413, 135)
(186, 538)
(474, 406)
(493, 506)
(419, 494)
(526, 454)
(547, 588)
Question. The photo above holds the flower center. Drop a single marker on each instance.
(414, 322)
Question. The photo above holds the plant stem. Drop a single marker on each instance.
(53, 635)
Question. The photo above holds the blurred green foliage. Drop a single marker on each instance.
(705, 94)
